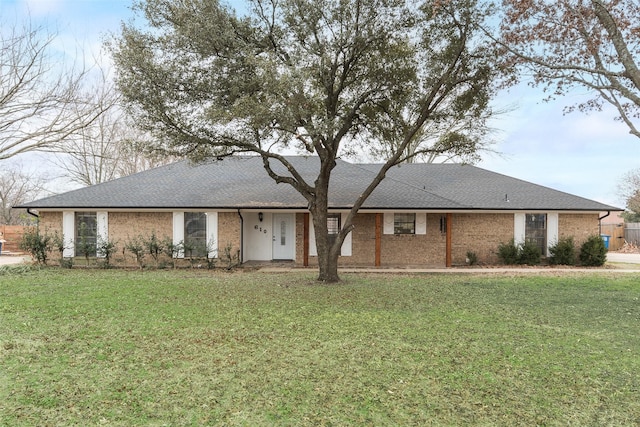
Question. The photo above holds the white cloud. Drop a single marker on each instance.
(39, 8)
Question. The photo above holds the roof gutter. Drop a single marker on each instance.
(600, 221)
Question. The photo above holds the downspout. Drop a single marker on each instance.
(600, 221)
(241, 255)
(32, 214)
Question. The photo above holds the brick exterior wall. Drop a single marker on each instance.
(50, 222)
(229, 233)
(471, 232)
(415, 250)
(300, 218)
(124, 226)
(578, 226)
(479, 233)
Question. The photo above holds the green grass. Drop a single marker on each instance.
(93, 347)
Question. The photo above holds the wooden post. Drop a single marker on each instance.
(449, 232)
(305, 237)
(378, 261)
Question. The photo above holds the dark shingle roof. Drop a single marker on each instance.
(241, 182)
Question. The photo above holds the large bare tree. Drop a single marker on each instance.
(588, 44)
(18, 186)
(326, 77)
(109, 147)
(41, 96)
(629, 189)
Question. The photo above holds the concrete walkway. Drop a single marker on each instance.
(11, 259)
(623, 258)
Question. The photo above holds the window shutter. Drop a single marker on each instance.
(552, 229)
(212, 234)
(387, 227)
(421, 223)
(102, 229)
(313, 250)
(345, 250)
(178, 231)
(69, 232)
(519, 228)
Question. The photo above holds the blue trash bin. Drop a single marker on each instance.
(605, 238)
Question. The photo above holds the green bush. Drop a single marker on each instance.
(472, 258)
(36, 244)
(105, 249)
(529, 254)
(508, 253)
(563, 252)
(137, 247)
(592, 252)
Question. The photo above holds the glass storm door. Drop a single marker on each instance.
(283, 236)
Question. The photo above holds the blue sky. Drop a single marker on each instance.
(581, 154)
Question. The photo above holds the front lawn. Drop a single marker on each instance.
(94, 347)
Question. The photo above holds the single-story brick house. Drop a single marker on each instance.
(426, 215)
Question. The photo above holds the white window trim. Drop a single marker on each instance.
(345, 249)
(421, 223)
(212, 232)
(68, 233)
(519, 228)
(102, 231)
(552, 229)
(389, 220)
(178, 232)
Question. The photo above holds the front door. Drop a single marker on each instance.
(283, 236)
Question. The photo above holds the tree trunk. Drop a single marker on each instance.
(327, 252)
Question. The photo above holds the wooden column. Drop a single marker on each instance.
(305, 237)
(449, 232)
(378, 239)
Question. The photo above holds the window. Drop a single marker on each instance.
(195, 234)
(86, 233)
(535, 231)
(333, 226)
(404, 223)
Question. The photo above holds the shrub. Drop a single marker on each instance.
(231, 258)
(137, 248)
(508, 253)
(171, 250)
(472, 258)
(85, 245)
(563, 252)
(529, 253)
(106, 248)
(592, 252)
(57, 243)
(154, 247)
(36, 244)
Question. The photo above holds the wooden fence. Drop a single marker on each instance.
(632, 232)
(616, 233)
(13, 235)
